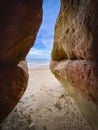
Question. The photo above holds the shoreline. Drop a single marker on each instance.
(37, 65)
(38, 69)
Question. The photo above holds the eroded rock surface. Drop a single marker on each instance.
(20, 21)
(76, 30)
(13, 84)
(75, 56)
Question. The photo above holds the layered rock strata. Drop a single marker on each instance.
(75, 56)
(19, 24)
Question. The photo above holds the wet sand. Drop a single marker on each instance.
(45, 106)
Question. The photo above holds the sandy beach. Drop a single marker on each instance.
(45, 106)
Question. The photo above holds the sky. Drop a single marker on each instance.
(44, 40)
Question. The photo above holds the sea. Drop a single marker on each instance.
(38, 62)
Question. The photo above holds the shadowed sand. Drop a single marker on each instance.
(45, 106)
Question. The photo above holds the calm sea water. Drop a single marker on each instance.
(38, 62)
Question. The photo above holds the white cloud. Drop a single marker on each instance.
(34, 51)
(37, 53)
(48, 43)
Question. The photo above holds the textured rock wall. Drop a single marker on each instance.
(75, 54)
(19, 24)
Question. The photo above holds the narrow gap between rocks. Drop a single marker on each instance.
(45, 104)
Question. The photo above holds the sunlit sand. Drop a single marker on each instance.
(45, 106)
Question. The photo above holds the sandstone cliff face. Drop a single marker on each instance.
(19, 24)
(75, 56)
(20, 21)
(13, 82)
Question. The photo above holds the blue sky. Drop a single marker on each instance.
(44, 40)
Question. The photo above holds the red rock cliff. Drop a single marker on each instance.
(75, 54)
(19, 24)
